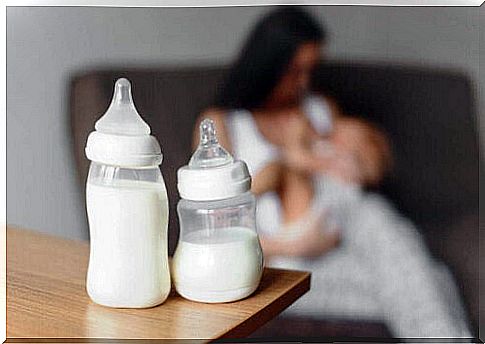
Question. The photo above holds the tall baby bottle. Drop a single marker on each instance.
(218, 256)
(127, 209)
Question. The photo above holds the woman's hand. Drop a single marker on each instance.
(297, 147)
(341, 164)
(303, 160)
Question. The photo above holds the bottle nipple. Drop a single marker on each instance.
(209, 153)
(122, 118)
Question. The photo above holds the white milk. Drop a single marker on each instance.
(128, 265)
(218, 268)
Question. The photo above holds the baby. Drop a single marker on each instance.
(361, 146)
(336, 164)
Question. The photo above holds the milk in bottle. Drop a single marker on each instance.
(127, 209)
(218, 256)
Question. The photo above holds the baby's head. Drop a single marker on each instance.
(350, 135)
(367, 143)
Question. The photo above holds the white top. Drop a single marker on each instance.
(249, 144)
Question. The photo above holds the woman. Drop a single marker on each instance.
(309, 162)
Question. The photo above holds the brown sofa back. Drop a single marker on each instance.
(169, 101)
(429, 115)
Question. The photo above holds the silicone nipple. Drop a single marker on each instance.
(209, 153)
(122, 118)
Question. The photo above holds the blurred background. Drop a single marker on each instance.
(56, 56)
(46, 46)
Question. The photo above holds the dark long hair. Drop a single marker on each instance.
(265, 57)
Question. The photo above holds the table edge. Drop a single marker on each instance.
(271, 310)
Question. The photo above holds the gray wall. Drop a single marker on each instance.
(46, 45)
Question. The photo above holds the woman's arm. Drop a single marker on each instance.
(267, 179)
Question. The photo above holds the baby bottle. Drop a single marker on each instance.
(218, 256)
(127, 209)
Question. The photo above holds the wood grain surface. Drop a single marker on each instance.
(46, 298)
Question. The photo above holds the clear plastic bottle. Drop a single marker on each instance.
(218, 256)
(127, 209)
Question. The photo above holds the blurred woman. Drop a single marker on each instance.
(309, 163)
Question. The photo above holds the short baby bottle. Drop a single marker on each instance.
(218, 256)
(127, 209)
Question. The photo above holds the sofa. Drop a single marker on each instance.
(428, 113)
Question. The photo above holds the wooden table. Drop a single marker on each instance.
(46, 298)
